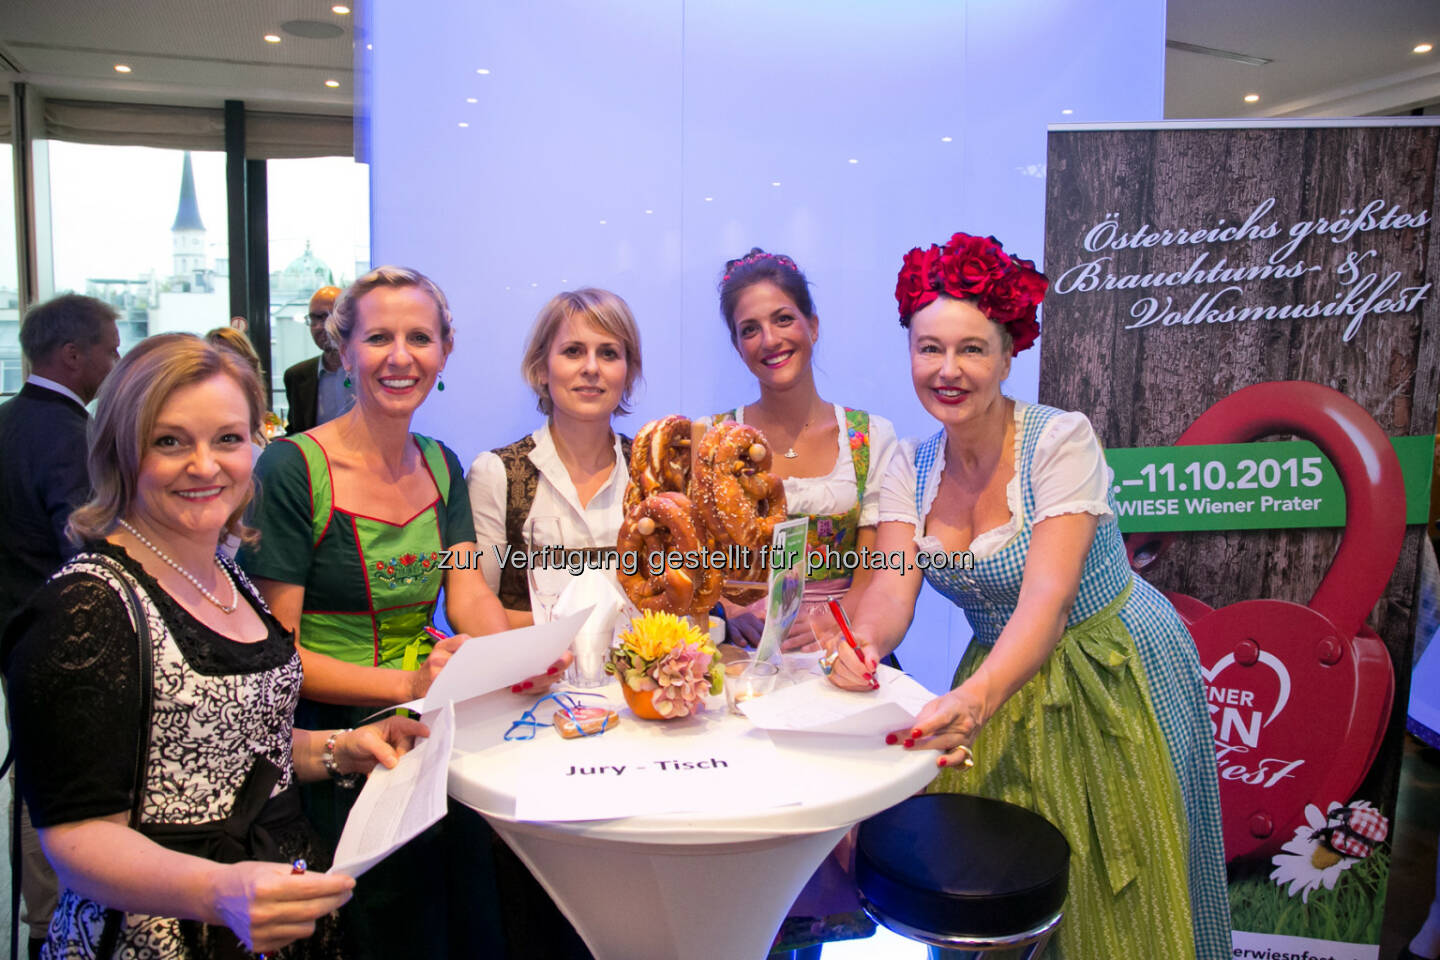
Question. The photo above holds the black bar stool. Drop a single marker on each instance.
(963, 874)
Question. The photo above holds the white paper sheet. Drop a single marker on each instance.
(818, 706)
(492, 662)
(590, 779)
(399, 803)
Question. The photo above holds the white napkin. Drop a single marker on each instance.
(592, 588)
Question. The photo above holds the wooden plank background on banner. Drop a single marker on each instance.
(1143, 387)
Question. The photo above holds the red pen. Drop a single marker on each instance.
(838, 612)
(436, 635)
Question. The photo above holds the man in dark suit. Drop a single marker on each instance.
(70, 343)
(316, 389)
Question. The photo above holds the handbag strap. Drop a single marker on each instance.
(110, 935)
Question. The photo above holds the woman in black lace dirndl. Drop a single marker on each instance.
(152, 694)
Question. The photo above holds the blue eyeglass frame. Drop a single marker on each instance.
(526, 727)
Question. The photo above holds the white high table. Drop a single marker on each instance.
(681, 886)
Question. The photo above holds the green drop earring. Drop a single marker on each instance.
(439, 383)
(347, 379)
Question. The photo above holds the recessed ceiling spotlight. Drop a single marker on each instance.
(122, 68)
(853, 160)
(709, 199)
(946, 139)
(774, 183)
(272, 38)
(471, 100)
(332, 83)
(1067, 111)
(464, 124)
(1252, 98)
(340, 8)
(369, 46)
(602, 223)
(649, 211)
(483, 71)
(1423, 48)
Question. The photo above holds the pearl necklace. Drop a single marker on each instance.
(194, 581)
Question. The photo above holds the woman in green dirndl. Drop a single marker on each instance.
(361, 524)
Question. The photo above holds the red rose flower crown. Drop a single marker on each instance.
(1005, 288)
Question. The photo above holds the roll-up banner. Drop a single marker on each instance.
(1247, 315)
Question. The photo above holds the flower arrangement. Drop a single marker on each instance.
(666, 661)
(1006, 288)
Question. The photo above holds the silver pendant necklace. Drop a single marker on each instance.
(194, 581)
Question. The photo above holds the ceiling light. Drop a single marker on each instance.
(471, 100)
(1423, 48)
(709, 199)
(649, 211)
(464, 124)
(369, 46)
(774, 183)
(946, 139)
(483, 71)
(272, 38)
(1067, 111)
(122, 68)
(602, 223)
(1252, 98)
(853, 160)
(332, 83)
(340, 8)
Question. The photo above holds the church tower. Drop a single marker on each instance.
(188, 233)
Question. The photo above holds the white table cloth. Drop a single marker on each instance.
(681, 886)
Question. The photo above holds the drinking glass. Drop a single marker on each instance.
(545, 582)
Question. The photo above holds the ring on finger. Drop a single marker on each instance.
(827, 662)
(968, 760)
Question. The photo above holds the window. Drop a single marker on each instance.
(143, 229)
(11, 376)
(319, 226)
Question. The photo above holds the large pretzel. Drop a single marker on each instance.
(659, 460)
(658, 525)
(740, 501)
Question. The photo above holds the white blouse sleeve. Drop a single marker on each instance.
(882, 451)
(488, 486)
(897, 488)
(1069, 473)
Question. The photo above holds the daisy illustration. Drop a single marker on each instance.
(1310, 860)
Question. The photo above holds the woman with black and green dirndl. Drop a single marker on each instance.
(362, 523)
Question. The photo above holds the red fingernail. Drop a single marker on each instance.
(942, 761)
(916, 732)
(909, 743)
(890, 738)
(527, 685)
(515, 689)
(870, 676)
(552, 671)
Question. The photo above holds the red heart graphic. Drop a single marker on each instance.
(1297, 711)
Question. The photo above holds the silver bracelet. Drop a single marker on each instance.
(327, 760)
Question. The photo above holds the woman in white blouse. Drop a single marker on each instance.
(582, 359)
(831, 457)
(1081, 695)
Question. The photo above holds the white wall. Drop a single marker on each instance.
(596, 112)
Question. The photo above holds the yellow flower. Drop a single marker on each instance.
(655, 634)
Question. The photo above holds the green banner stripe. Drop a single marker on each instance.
(1249, 486)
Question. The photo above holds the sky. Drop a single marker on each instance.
(111, 210)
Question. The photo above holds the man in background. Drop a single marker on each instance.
(316, 389)
(70, 344)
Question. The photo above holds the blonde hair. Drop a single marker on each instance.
(599, 308)
(346, 310)
(129, 403)
(232, 339)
